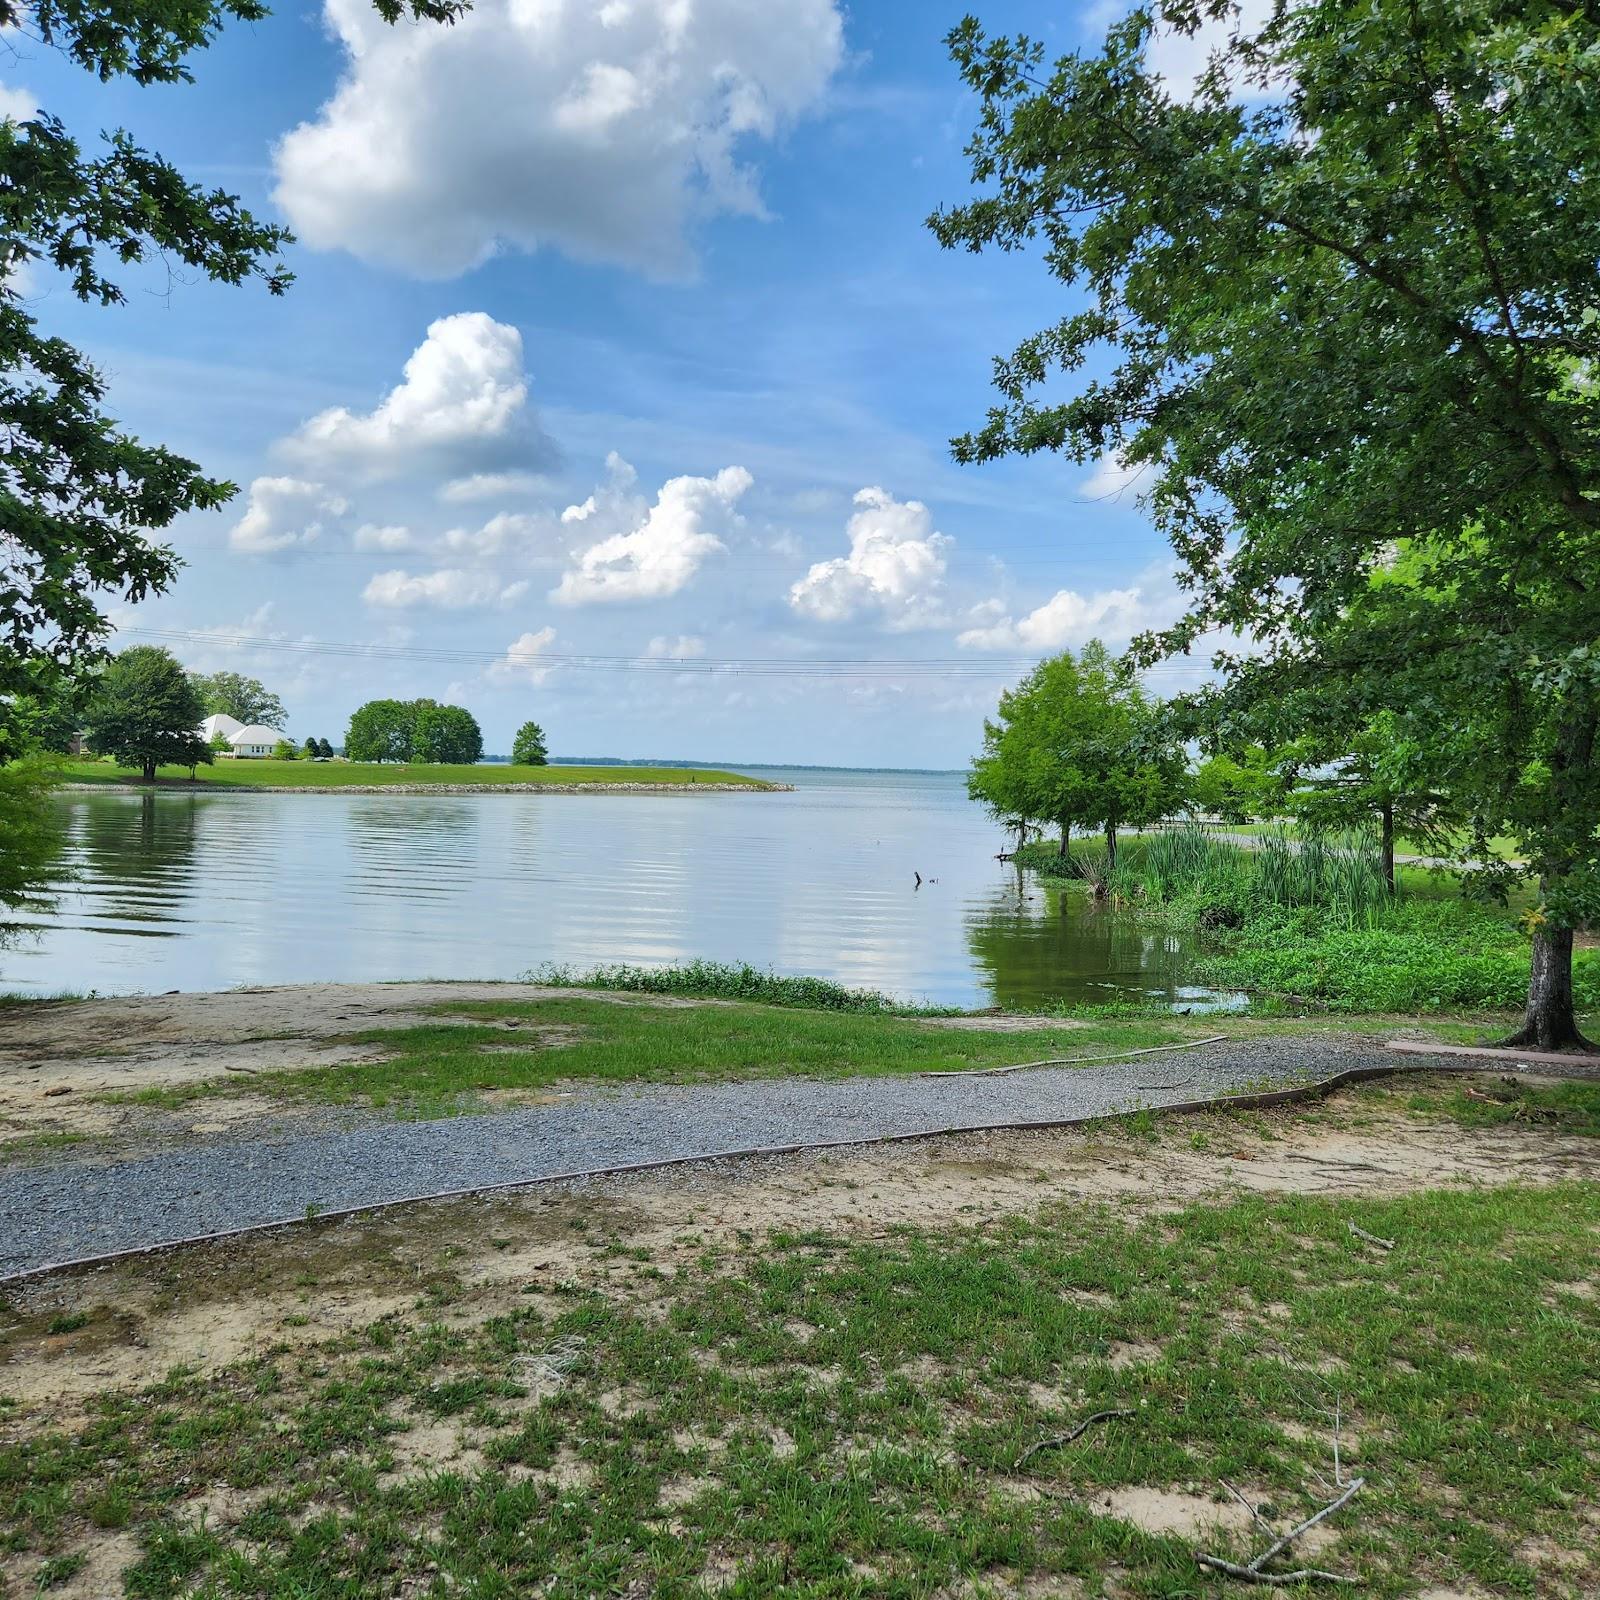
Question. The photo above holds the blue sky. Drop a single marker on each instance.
(684, 362)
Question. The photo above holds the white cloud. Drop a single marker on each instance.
(1179, 59)
(1069, 618)
(462, 402)
(686, 647)
(520, 663)
(1113, 478)
(895, 568)
(447, 589)
(506, 530)
(663, 546)
(488, 486)
(369, 536)
(281, 513)
(600, 129)
(16, 103)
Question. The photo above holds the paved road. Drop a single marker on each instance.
(66, 1211)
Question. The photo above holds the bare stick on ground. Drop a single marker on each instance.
(1067, 1438)
(1371, 1238)
(1254, 1570)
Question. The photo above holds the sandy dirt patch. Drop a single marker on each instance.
(210, 1305)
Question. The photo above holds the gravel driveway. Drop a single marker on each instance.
(61, 1213)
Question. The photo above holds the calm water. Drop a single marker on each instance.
(206, 891)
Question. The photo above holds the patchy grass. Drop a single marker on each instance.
(527, 1046)
(1572, 1108)
(822, 1414)
(266, 774)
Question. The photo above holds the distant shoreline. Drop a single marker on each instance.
(185, 786)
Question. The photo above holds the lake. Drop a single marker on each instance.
(171, 890)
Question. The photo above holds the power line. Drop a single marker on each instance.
(861, 667)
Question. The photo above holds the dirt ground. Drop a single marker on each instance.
(208, 1306)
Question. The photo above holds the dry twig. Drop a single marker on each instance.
(1371, 1238)
(1067, 1438)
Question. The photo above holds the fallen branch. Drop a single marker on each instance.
(1073, 1061)
(253, 1071)
(1182, 1083)
(1067, 1438)
(1371, 1238)
(1278, 1580)
(1252, 1570)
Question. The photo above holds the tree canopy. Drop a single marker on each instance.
(145, 712)
(528, 748)
(1341, 305)
(246, 699)
(413, 730)
(1077, 743)
(79, 497)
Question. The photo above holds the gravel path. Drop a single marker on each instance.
(51, 1214)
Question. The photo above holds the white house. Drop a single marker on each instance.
(254, 740)
(242, 741)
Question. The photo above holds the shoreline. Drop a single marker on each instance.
(184, 786)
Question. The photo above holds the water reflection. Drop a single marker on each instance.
(203, 891)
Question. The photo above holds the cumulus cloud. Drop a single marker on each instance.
(461, 403)
(521, 662)
(282, 513)
(370, 536)
(658, 549)
(447, 589)
(16, 103)
(505, 531)
(895, 568)
(686, 647)
(600, 129)
(1068, 618)
(488, 486)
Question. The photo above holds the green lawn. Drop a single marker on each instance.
(838, 1416)
(338, 774)
(440, 1068)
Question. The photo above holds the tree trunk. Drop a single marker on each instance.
(1064, 849)
(1386, 845)
(1111, 847)
(148, 772)
(1550, 1022)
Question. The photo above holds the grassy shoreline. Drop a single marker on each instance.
(313, 776)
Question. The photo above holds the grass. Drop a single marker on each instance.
(1308, 921)
(723, 980)
(827, 1415)
(267, 774)
(526, 1046)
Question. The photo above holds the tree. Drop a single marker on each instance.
(1344, 322)
(146, 714)
(247, 700)
(311, 751)
(1078, 742)
(1250, 785)
(79, 498)
(528, 748)
(285, 750)
(447, 734)
(381, 730)
(324, 750)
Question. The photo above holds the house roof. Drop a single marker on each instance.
(220, 722)
(255, 734)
